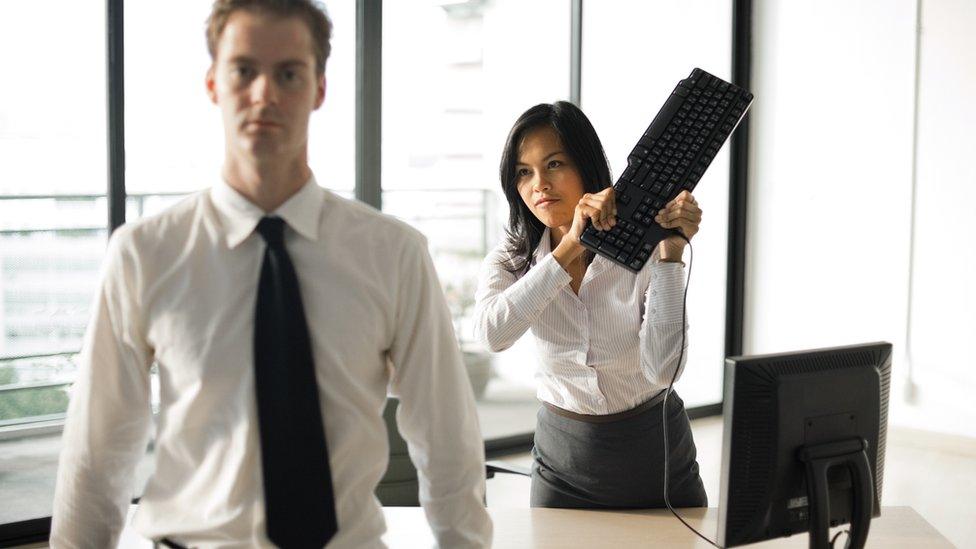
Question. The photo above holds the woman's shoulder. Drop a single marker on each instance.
(500, 254)
(501, 258)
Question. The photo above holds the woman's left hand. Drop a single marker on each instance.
(683, 214)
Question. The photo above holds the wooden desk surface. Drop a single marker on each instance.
(898, 527)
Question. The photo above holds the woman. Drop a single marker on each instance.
(608, 340)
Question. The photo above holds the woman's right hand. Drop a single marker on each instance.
(600, 209)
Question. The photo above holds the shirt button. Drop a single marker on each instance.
(653, 311)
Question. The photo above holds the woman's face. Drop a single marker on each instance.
(547, 180)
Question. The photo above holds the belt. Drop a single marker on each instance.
(609, 418)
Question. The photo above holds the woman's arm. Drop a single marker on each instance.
(505, 306)
(663, 328)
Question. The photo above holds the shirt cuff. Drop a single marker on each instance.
(665, 293)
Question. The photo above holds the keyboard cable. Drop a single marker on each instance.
(664, 406)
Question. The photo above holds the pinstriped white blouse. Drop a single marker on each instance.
(606, 350)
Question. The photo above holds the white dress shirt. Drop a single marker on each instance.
(180, 288)
(606, 350)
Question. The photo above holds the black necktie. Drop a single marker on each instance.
(300, 508)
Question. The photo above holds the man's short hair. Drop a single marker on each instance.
(311, 12)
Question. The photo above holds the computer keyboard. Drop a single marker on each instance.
(670, 157)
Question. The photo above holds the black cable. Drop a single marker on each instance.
(664, 406)
(847, 543)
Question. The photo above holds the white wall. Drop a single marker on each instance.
(831, 191)
(943, 314)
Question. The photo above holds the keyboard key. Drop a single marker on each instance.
(642, 173)
(660, 122)
(609, 249)
(589, 238)
(628, 174)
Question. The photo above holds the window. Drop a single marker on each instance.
(449, 100)
(630, 65)
(456, 75)
(53, 217)
(843, 282)
(174, 140)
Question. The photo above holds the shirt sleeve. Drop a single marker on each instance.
(437, 415)
(505, 307)
(108, 420)
(662, 329)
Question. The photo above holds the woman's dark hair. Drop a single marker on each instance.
(580, 142)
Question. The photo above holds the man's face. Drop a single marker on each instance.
(263, 78)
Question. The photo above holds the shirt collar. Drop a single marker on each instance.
(239, 216)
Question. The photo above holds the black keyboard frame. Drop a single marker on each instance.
(671, 156)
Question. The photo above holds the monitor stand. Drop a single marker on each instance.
(819, 458)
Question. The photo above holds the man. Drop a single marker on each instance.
(279, 315)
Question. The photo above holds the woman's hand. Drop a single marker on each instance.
(682, 214)
(599, 208)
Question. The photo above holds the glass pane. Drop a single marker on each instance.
(629, 70)
(449, 100)
(174, 134)
(53, 215)
(803, 292)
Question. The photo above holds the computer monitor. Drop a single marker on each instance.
(795, 421)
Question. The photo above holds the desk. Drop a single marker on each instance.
(898, 527)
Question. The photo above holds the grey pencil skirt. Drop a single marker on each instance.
(620, 464)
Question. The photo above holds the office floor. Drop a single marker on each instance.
(933, 473)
